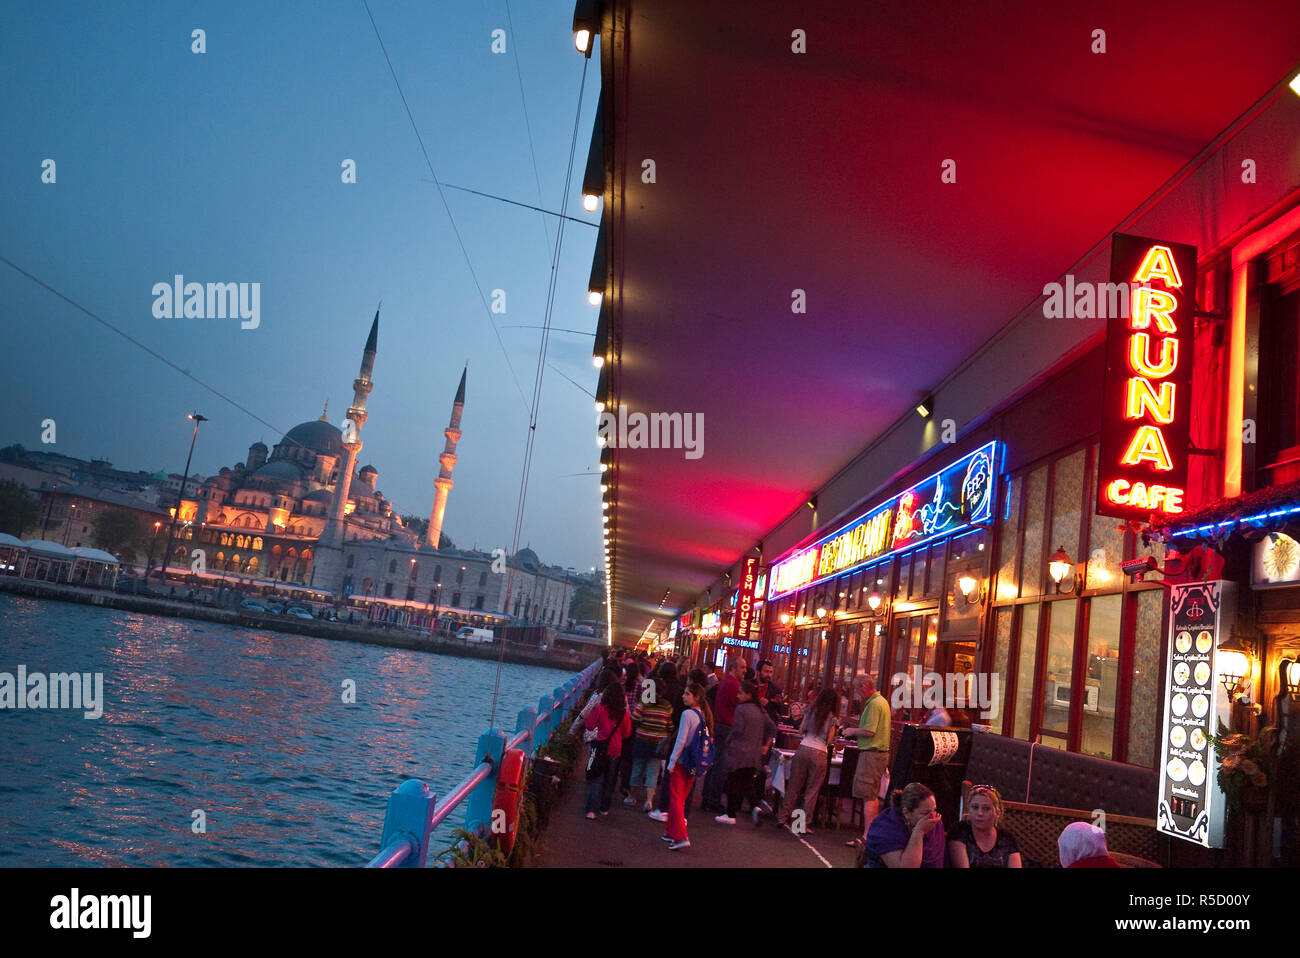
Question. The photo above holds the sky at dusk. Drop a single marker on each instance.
(225, 167)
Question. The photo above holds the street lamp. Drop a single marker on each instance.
(67, 522)
(153, 544)
(171, 528)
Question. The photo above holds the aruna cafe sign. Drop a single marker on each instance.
(1145, 423)
(951, 500)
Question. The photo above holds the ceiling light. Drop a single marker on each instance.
(590, 201)
(598, 361)
(1295, 84)
(594, 297)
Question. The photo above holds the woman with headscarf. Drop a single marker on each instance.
(1083, 845)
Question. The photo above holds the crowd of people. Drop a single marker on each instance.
(659, 734)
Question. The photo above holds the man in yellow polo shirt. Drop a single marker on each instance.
(873, 740)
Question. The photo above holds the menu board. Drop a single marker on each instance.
(1191, 803)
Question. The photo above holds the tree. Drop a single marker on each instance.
(586, 604)
(119, 532)
(417, 525)
(19, 509)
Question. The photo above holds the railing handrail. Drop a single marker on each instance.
(405, 819)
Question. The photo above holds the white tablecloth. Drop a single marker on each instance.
(780, 760)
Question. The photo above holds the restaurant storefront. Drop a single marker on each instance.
(883, 593)
(1033, 596)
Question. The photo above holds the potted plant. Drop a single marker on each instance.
(1246, 765)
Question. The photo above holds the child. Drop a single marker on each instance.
(750, 736)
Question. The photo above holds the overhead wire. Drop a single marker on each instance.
(538, 377)
(487, 310)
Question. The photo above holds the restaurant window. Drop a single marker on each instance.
(1098, 730)
(1001, 659)
(1059, 687)
(904, 577)
(1144, 718)
(1025, 670)
(934, 574)
(1031, 569)
(1105, 546)
(1067, 499)
(1279, 378)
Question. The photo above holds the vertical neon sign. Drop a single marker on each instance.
(1145, 425)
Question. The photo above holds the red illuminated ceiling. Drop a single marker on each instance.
(820, 171)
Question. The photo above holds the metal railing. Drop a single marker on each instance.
(414, 811)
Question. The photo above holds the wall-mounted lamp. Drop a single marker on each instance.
(1290, 678)
(785, 618)
(812, 503)
(970, 589)
(1234, 661)
(1061, 567)
(876, 603)
(925, 408)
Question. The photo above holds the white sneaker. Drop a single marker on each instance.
(659, 816)
(725, 819)
(675, 846)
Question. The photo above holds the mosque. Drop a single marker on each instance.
(306, 516)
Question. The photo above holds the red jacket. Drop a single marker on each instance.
(600, 719)
(1097, 861)
(728, 698)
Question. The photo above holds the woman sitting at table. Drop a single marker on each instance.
(979, 842)
(808, 770)
(909, 834)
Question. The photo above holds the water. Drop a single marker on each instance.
(247, 726)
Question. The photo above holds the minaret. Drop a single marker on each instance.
(443, 483)
(327, 567)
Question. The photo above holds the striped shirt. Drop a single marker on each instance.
(656, 720)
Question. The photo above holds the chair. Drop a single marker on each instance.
(834, 794)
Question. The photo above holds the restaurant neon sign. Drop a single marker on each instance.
(1142, 469)
(953, 499)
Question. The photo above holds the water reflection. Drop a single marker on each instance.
(249, 728)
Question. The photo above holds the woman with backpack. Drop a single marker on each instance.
(611, 723)
(690, 749)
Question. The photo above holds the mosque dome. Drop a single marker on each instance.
(323, 438)
(320, 495)
(279, 469)
(527, 560)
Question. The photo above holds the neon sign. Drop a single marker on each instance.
(745, 600)
(949, 501)
(1142, 469)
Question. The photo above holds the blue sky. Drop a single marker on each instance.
(225, 167)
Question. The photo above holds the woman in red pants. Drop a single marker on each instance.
(680, 778)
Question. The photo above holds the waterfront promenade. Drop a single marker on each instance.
(628, 838)
(361, 631)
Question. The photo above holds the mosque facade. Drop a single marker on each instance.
(303, 515)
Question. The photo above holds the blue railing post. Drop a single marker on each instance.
(546, 723)
(478, 813)
(409, 816)
(527, 719)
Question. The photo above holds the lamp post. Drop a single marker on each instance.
(67, 522)
(171, 528)
(153, 544)
(49, 507)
